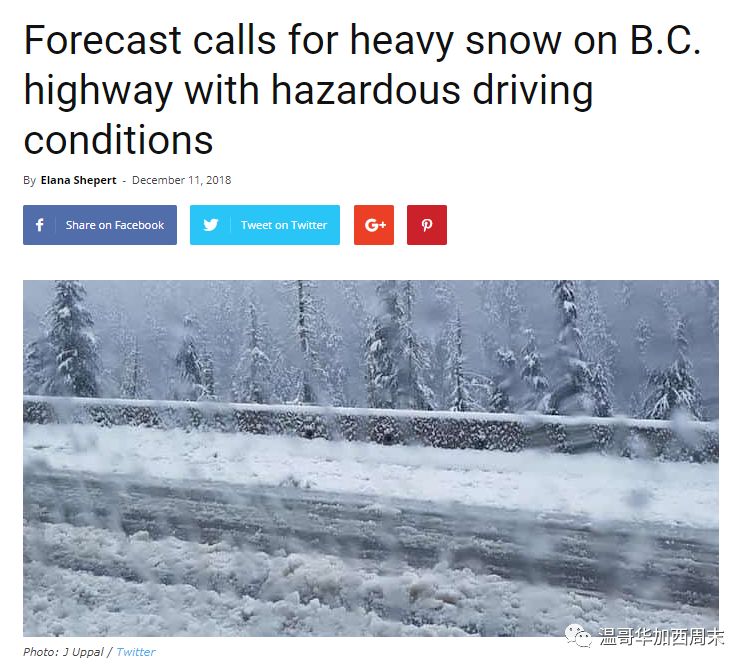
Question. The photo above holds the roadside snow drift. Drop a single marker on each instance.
(593, 486)
(170, 587)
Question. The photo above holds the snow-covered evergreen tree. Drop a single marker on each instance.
(532, 372)
(253, 378)
(413, 390)
(513, 313)
(306, 393)
(642, 339)
(72, 343)
(355, 328)
(384, 348)
(332, 372)
(444, 299)
(134, 381)
(602, 353)
(162, 306)
(360, 317)
(207, 367)
(674, 388)
(503, 388)
(397, 360)
(570, 360)
(712, 291)
(626, 292)
(599, 389)
(668, 302)
(459, 396)
(504, 316)
(190, 362)
(494, 325)
(38, 366)
(321, 376)
(441, 313)
(225, 310)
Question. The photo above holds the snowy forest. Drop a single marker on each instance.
(644, 349)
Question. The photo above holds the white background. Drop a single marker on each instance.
(650, 183)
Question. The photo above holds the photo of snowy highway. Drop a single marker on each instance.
(539, 471)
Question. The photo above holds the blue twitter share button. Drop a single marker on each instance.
(268, 225)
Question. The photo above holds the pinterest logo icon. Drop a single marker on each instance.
(427, 224)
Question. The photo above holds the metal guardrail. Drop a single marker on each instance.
(671, 440)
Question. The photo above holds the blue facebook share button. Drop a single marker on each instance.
(127, 224)
(263, 224)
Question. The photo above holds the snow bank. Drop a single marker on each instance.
(170, 587)
(594, 486)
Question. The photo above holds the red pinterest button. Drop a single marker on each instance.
(427, 224)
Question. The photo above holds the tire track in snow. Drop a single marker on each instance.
(659, 564)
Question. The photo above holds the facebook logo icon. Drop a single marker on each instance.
(38, 225)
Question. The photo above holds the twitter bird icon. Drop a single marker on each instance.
(210, 225)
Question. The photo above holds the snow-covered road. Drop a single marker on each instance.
(136, 532)
(598, 487)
